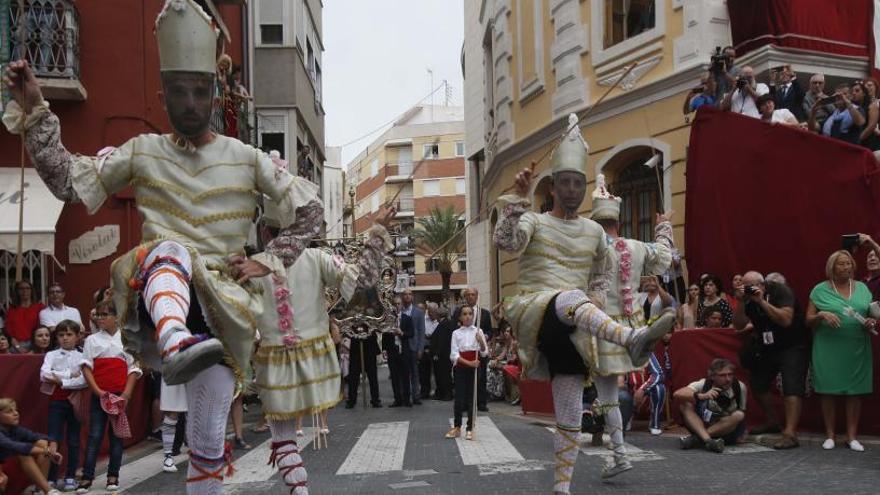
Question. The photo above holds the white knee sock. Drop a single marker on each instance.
(285, 454)
(609, 406)
(169, 426)
(166, 274)
(574, 308)
(568, 402)
(208, 398)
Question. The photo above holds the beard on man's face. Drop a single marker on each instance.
(189, 100)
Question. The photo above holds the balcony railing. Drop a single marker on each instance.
(405, 205)
(50, 32)
(232, 117)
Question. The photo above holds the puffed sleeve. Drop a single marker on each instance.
(515, 225)
(287, 193)
(94, 178)
(658, 254)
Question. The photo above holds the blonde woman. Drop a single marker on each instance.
(842, 361)
(687, 312)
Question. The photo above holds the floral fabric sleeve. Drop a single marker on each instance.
(293, 240)
(377, 244)
(511, 233)
(49, 156)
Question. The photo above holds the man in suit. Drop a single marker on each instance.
(371, 349)
(441, 346)
(396, 345)
(484, 323)
(787, 92)
(426, 363)
(416, 343)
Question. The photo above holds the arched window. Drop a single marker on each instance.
(640, 188)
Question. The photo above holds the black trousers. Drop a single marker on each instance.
(354, 372)
(399, 365)
(482, 393)
(464, 395)
(443, 377)
(425, 365)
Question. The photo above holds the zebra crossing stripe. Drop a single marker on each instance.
(253, 467)
(380, 449)
(490, 446)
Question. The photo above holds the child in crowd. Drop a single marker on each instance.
(467, 341)
(59, 375)
(713, 318)
(111, 374)
(41, 341)
(35, 452)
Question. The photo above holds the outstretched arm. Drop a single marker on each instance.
(511, 233)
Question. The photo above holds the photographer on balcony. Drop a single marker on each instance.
(777, 345)
(847, 120)
(704, 94)
(724, 71)
(744, 98)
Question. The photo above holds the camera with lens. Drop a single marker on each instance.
(718, 61)
(750, 290)
(723, 401)
(742, 82)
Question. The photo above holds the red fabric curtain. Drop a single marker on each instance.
(773, 199)
(33, 407)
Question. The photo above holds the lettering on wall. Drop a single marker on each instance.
(95, 244)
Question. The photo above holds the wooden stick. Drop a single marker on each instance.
(19, 255)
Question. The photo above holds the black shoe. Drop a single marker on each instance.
(155, 435)
(715, 445)
(417, 402)
(349, 405)
(175, 453)
(395, 404)
(376, 404)
(483, 408)
(689, 442)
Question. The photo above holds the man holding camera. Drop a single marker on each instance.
(744, 98)
(724, 70)
(777, 345)
(704, 94)
(714, 408)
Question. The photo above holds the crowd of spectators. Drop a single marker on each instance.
(850, 112)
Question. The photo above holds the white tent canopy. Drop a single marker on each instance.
(41, 211)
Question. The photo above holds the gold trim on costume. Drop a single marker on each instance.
(285, 415)
(195, 198)
(540, 239)
(291, 386)
(198, 171)
(172, 210)
(571, 266)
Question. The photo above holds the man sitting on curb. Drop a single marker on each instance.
(713, 408)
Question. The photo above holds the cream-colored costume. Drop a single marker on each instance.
(304, 378)
(644, 259)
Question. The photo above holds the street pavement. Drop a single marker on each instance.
(402, 451)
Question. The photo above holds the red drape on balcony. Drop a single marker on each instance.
(773, 199)
(843, 27)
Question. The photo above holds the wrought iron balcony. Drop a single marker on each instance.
(46, 34)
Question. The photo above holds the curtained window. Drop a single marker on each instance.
(638, 188)
(625, 19)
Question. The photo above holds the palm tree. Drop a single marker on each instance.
(439, 232)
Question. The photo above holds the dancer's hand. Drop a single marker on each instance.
(22, 84)
(246, 269)
(524, 182)
(385, 216)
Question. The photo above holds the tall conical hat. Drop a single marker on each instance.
(187, 38)
(606, 206)
(571, 154)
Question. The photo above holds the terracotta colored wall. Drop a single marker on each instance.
(119, 67)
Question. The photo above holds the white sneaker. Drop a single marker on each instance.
(616, 467)
(656, 431)
(855, 446)
(168, 464)
(325, 431)
(828, 444)
(300, 433)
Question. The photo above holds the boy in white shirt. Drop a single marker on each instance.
(59, 375)
(467, 341)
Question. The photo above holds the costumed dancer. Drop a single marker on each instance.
(627, 260)
(195, 191)
(468, 344)
(553, 317)
(297, 371)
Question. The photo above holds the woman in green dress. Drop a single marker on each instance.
(842, 364)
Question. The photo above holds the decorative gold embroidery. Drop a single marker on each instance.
(540, 239)
(291, 386)
(198, 171)
(170, 209)
(279, 354)
(530, 251)
(285, 415)
(195, 198)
